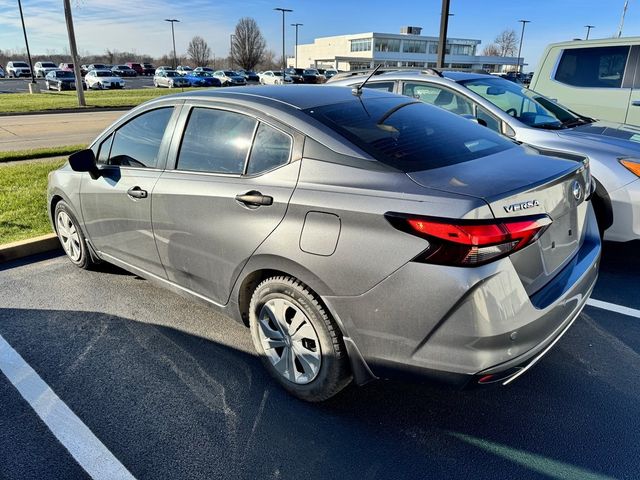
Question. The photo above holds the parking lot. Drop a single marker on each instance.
(21, 85)
(173, 390)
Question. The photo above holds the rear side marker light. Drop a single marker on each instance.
(470, 243)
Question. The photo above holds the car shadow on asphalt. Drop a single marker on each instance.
(170, 404)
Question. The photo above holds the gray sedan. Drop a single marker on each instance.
(526, 116)
(169, 79)
(359, 235)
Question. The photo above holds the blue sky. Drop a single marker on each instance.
(138, 26)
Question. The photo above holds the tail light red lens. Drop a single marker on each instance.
(471, 242)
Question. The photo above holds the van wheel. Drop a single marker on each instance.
(298, 342)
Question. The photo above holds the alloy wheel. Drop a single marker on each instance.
(289, 341)
(69, 236)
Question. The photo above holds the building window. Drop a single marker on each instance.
(461, 66)
(414, 46)
(431, 64)
(387, 45)
(359, 65)
(361, 45)
(460, 49)
(433, 48)
(490, 67)
(412, 64)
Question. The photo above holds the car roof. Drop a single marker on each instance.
(298, 96)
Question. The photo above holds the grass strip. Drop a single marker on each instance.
(33, 153)
(23, 200)
(26, 102)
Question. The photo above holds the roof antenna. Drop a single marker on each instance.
(358, 90)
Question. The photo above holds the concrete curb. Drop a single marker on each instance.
(26, 248)
(68, 110)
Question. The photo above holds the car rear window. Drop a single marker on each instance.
(409, 135)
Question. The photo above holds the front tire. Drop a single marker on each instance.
(71, 237)
(298, 342)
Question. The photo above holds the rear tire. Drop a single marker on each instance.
(298, 342)
(71, 237)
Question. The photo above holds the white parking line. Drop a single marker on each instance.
(632, 312)
(74, 435)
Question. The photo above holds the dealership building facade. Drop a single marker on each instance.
(408, 49)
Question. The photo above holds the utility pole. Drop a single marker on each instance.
(296, 25)
(74, 53)
(173, 36)
(442, 41)
(524, 22)
(284, 58)
(624, 12)
(33, 86)
(588, 27)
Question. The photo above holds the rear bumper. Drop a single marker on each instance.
(625, 203)
(461, 324)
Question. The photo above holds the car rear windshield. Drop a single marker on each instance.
(64, 74)
(20, 64)
(48, 65)
(103, 74)
(409, 135)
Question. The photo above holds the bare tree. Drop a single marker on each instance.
(269, 61)
(248, 45)
(199, 51)
(491, 50)
(507, 43)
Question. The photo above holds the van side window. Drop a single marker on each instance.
(600, 67)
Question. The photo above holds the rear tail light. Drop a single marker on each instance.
(469, 243)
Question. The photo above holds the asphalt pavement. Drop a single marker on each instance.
(21, 85)
(174, 390)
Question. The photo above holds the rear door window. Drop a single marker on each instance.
(438, 96)
(216, 141)
(600, 67)
(271, 149)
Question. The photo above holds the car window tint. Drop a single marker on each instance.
(103, 151)
(136, 144)
(271, 148)
(216, 141)
(601, 67)
(489, 120)
(382, 86)
(409, 135)
(438, 96)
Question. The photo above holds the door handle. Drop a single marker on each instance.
(254, 199)
(137, 192)
(636, 103)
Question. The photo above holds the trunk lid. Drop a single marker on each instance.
(517, 183)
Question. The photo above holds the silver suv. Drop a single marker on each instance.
(526, 116)
(18, 69)
(357, 235)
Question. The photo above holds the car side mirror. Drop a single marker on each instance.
(85, 161)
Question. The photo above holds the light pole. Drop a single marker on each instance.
(26, 42)
(173, 37)
(74, 53)
(589, 27)
(444, 25)
(296, 25)
(523, 22)
(284, 59)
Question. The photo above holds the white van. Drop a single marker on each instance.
(595, 78)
